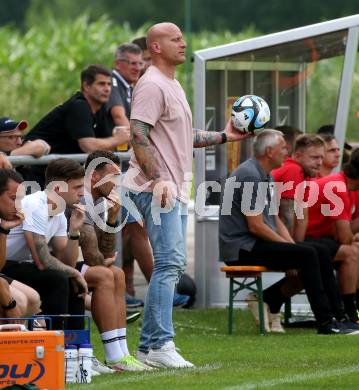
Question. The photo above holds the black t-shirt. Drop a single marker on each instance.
(62, 127)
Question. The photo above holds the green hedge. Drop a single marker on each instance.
(41, 67)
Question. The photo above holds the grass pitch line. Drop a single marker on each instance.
(296, 378)
(146, 376)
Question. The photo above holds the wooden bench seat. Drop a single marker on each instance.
(245, 277)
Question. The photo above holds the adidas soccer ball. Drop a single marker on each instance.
(250, 114)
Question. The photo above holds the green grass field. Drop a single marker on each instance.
(299, 359)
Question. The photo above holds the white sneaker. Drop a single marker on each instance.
(100, 368)
(167, 357)
(141, 356)
(252, 301)
(275, 324)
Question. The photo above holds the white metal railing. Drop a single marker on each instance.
(80, 157)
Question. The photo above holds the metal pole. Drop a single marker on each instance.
(345, 91)
(188, 66)
(44, 160)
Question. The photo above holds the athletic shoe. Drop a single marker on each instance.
(350, 325)
(335, 327)
(167, 357)
(128, 363)
(141, 356)
(275, 324)
(252, 301)
(100, 368)
(180, 300)
(133, 302)
(132, 316)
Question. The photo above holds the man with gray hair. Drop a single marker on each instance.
(251, 233)
(127, 70)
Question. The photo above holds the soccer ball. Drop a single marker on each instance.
(250, 114)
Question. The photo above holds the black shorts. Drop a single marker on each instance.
(9, 280)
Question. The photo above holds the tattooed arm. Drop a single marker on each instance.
(143, 149)
(41, 254)
(41, 251)
(203, 138)
(286, 214)
(89, 246)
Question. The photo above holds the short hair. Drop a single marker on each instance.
(88, 75)
(267, 138)
(326, 137)
(351, 168)
(102, 154)
(307, 140)
(326, 129)
(5, 176)
(141, 42)
(290, 133)
(126, 48)
(63, 169)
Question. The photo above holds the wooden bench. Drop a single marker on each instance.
(250, 279)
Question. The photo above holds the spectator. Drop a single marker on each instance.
(11, 134)
(253, 234)
(128, 65)
(39, 252)
(146, 55)
(163, 140)
(105, 280)
(16, 299)
(79, 125)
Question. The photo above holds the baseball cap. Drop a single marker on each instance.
(8, 124)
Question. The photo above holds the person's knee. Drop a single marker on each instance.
(118, 274)
(351, 256)
(33, 302)
(100, 277)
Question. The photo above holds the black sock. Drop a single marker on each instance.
(349, 306)
(274, 298)
(357, 299)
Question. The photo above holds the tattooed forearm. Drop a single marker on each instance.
(89, 247)
(203, 138)
(286, 213)
(143, 149)
(106, 243)
(46, 259)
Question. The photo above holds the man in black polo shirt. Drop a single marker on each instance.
(79, 125)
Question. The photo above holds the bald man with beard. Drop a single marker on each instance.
(163, 141)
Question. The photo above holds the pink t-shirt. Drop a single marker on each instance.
(161, 102)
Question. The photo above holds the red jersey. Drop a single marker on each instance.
(333, 204)
(290, 171)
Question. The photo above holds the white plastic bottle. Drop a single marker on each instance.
(71, 363)
(85, 363)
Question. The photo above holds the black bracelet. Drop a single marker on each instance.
(224, 137)
(10, 305)
(113, 225)
(4, 231)
(74, 236)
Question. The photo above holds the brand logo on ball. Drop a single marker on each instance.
(250, 114)
(32, 372)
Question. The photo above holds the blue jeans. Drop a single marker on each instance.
(167, 233)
